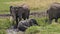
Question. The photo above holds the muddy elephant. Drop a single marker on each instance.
(53, 12)
(24, 24)
(18, 13)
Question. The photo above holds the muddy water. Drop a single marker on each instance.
(12, 31)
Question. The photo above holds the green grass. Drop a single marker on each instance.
(32, 30)
(4, 23)
(2, 31)
(4, 8)
(45, 28)
(34, 5)
(49, 29)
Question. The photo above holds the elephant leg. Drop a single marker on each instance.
(56, 20)
(24, 16)
(28, 15)
(16, 22)
(20, 18)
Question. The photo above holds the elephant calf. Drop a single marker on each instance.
(23, 25)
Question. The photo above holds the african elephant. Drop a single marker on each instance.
(18, 13)
(24, 24)
(53, 12)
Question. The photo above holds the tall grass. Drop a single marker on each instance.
(33, 4)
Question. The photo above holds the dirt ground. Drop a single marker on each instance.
(39, 14)
(11, 30)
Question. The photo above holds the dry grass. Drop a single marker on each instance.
(36, 4)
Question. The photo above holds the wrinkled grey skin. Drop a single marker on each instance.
(18, 13)
(54, 12)
(24, 24)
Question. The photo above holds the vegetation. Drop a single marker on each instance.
(33, 4)
(33, 30)
(41, 5)
(4, 24)
(44, 27)
(49, 29)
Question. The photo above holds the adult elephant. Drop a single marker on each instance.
(18, 13)
(53, 12)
